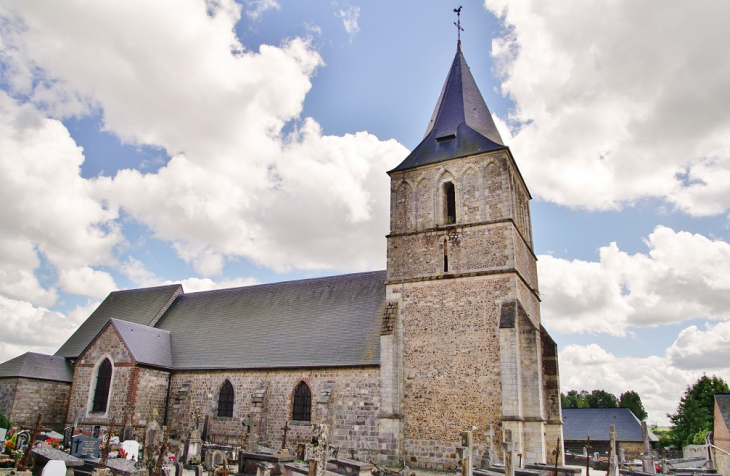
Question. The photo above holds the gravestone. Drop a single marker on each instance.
(612, 456)
(467, 454)
(54, 468)
(315, 453)
(131, 447)
(647, 459)
(82, 446)
(68, 433)
(22, 440)
(192, 446)
(3, 432)
(489, 457)
(508, 449)
(152, 436)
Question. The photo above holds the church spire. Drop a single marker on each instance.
(461, 123)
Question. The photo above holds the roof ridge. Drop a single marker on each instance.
(279, 283)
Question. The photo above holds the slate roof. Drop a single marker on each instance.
(723, 404)
(140, 306)
(322, 322)
(461, 123)
(579, 423)
(38, 366)
(148, 345)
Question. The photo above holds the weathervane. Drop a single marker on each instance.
(459, 29)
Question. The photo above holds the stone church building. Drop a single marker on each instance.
(398, 362)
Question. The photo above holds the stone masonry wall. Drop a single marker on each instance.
(469, 248)
(149, 391)
(7, 395)
(108, 344)
(451, 359)
(39, 396)
(482, 184)
(352, 412)
(525, 261)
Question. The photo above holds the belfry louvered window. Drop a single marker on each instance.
(225, 400)
(103, 382)
(302, 410)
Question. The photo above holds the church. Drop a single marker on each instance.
(397, 362)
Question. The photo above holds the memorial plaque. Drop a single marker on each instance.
(85, 446)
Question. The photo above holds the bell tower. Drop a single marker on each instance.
(464, 346)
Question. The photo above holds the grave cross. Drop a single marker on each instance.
(34, 432)
(588, 458)
(286, 430)
(556, 453)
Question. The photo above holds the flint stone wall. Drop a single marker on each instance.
(22, 399)
(7, 395)
(352, 412)
(452, 365)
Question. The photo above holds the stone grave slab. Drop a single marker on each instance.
(125, 467)
(247, 462)
(82, 446)
(45, 454)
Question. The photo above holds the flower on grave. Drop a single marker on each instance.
(54, 442)
(121, 453)
(9, 445)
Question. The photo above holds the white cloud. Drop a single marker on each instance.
(29, 328)
(86, 281)
(350, 16)
(705, 350)
(194, 285)
(235, 186)
(48, 209)
(136, 271)
(684, 276)
(617, 101)
(255, 8)
(657, 381)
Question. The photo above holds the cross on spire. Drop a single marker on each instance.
(457, 23)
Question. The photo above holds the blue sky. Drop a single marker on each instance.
(223, 144)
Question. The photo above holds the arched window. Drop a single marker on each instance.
(103, 382)
(302, 410)
(450, 202)
(225, 400)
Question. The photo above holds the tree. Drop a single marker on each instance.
(573, 399)
(694, 415)
(602, 399)
(632, 401)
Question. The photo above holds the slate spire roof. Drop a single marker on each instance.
(461, 123)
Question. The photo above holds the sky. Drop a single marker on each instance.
(221, 144)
